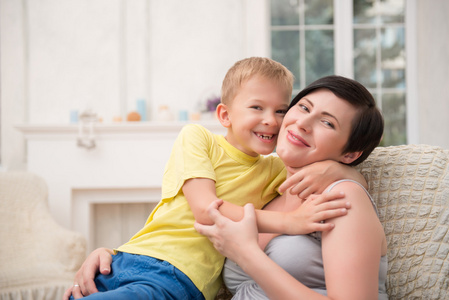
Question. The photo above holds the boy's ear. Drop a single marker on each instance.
(350, 157)
(223, 115)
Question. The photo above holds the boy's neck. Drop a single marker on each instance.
(238, 147)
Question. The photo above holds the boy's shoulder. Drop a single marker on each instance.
(195, 128)
(195, 133)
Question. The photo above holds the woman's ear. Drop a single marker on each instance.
(350, 157)
(223, 115)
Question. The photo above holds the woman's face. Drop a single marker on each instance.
(316, 128)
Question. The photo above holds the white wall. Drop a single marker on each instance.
(433, 71)
(13, 83)
(59, 55)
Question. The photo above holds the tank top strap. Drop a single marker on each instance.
(350, 180)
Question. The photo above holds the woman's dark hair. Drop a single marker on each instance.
(368, 125)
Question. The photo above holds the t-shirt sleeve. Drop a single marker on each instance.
(278, 175)
(190, 158)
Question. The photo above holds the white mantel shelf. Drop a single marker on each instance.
(31, 131)
(125, 166)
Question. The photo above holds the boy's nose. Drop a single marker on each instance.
(269, 119)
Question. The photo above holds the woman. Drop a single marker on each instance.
(333, 118)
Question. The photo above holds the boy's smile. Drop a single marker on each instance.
(254, 116)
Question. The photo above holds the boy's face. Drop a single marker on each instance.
(255, 116)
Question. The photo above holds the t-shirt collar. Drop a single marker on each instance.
(235, 153)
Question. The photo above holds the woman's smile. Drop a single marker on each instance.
(316, 128)
(296, 139)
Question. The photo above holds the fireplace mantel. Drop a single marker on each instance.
(125, 165)
(55, 131)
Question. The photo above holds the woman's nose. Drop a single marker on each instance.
(304, 123)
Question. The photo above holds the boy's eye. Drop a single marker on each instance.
(256, 107)
(281, 111)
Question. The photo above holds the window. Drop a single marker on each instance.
(364, 40)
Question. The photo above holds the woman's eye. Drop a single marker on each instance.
(329, 124)
(303, 107)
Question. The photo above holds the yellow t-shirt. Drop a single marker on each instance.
(169, 234)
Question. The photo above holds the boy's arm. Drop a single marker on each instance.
(314, 178)
(200, 193)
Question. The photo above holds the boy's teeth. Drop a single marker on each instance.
(265, 137)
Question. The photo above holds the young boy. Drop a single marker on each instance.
(168, 259)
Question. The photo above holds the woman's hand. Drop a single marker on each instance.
(228, 237)
(314, 178)
(83, 285)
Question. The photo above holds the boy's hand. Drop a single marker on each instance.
(99, 261)
(314, 178)
(308, 217)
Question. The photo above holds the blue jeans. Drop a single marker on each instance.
(143, 277)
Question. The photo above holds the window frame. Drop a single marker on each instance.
(259, 44)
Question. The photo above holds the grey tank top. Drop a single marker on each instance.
(300, 256)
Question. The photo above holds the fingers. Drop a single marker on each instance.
(76, 291)
(303, 193)
(87, 284)
(98, 261)
(290, 182)
(202, 229)
(67, 293)
(334, 204)
(249, 212)
(214, 213)
(320, 225)
(331, 213)
(330, 210)
(249, 218)
(328, 207)
(105, 263)
(299, 186)
(215, 216)
(323, 227)
(327, 197)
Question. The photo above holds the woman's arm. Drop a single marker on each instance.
(351, 252)
(97, 261)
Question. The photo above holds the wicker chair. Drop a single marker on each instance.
(38, 258)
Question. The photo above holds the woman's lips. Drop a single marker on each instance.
(297, 139)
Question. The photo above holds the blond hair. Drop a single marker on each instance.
(247, 68)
